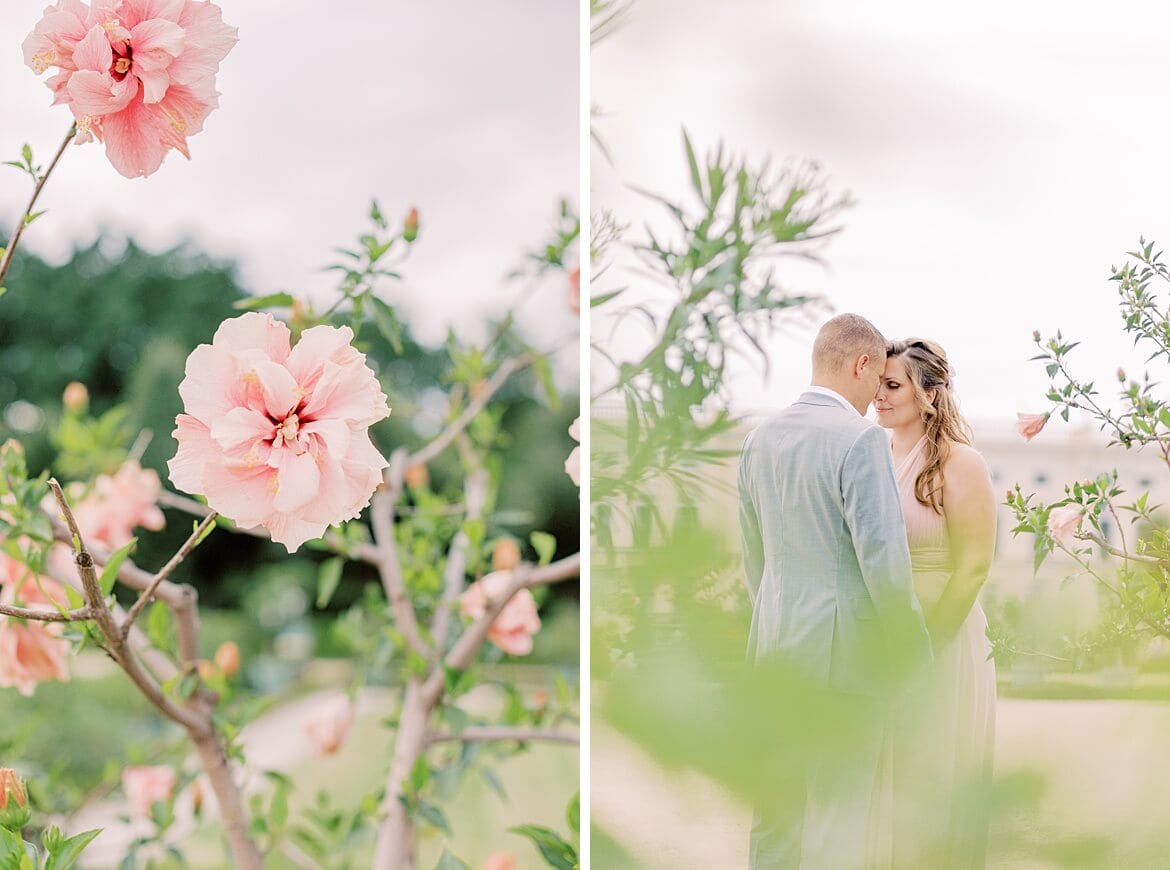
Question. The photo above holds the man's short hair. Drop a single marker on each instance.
(843, 339)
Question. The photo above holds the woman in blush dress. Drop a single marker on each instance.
(932, 813)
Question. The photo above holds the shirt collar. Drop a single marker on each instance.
(833, 394)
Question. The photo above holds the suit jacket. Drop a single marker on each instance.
(825, 551)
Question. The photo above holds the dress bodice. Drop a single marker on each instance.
(926, 531)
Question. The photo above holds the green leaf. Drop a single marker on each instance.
(602, 298)
(420, 775)
(493, 781)
(29, 218)
(26, 153)
(109, 573)
(553, 848)
(272, 300)
(70, 850)
(328, 576)
(693, 165)
(433, 816)
(447, 861)
(573, 813)
(543, 371)
(158, 626)
(388, 324)
(545, 546)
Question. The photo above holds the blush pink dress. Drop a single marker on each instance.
(932, 808)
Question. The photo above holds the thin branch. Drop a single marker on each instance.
(165, 571)
(104, 618)
(79, 615)
(389, 567)
(19, 230)
(454, 576)
(505, 371)
(1135, 557)
(485, 734)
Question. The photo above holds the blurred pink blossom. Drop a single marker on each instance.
(575, 290)
(1063, 521)
(279, 438)
(116, 505)
(30, 652)
(573, 463)
(500, 861)
(328, 725)
(138, 75)
(513, 628)
(1029, 425)
(145, 784)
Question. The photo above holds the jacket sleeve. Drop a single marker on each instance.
(873, 513)
(749, 527)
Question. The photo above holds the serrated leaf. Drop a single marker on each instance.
(328, 578)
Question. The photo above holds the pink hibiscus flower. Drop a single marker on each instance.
(1028, 426)
(328, 725)
(145, 784)
(513, 629)
(1063, 523)
(30, 652)
(138, 75)
(275, 437)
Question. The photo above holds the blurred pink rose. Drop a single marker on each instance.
(500, 861)
(1063, 521)
(138, 75)
(1029, 425)
(30, 652)
(573, 463)
(116, 505)
(279, 438)
(513, 629)
(328, 725)
(146, 784)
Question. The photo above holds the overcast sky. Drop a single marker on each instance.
(1002, 155)
(467, 110)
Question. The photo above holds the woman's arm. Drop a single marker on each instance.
(969, 508)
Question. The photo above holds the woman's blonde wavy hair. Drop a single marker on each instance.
(926, 364)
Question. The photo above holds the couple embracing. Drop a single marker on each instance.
(864, 548)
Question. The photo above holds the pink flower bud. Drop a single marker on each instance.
(75, 398)
(506, 554)
(500, 861)
(14, 809)
(1029, 425)
(410, 225)
(227, 658)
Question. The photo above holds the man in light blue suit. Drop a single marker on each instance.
(833, 606)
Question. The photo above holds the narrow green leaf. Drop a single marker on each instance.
(328, 577)
(387, 322)
(272, 300)
(109, 573)
(553, 848)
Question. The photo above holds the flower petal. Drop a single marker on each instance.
(241, 428)
(94, 53)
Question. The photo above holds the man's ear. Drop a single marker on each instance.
(859, 366)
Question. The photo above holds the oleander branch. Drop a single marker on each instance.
(80, 615)
(389, 566)
(475, 489)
